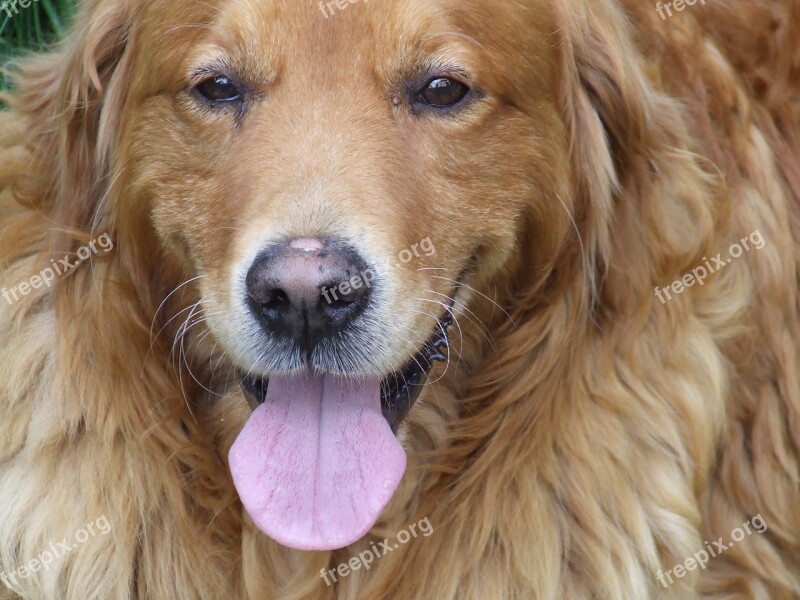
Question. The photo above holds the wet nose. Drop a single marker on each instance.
(308, 289)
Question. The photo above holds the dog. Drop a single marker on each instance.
(442, 299)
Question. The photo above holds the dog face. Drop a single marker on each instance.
(386, 129)
(340, 183)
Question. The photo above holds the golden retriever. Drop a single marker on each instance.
(239, 239)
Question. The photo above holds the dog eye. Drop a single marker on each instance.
(443, 92)
(219, 89)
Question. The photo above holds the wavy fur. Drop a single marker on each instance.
(600, 437)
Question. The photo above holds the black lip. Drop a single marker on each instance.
(254, 389)
(399, 390)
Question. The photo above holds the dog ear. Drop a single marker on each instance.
(605, 103)
(73, 99)
(627, 174)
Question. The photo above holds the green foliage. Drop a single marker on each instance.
(31, 28)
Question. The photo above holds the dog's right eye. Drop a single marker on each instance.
(219, 89)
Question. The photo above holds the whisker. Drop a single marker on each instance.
(462, 284)
(444, 333)
(481, 326)
(422, 369)
(155, 316)
(196, 342)
(584, 262)
(179, 337)
(455, 320)
(222, 355)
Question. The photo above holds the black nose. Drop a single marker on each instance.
(307, 289)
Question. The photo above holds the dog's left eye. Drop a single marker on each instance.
(443, 92)
(219, 89)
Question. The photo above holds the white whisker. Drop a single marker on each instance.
(462, 284)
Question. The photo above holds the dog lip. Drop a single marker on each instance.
(399, 390)
(254, 388)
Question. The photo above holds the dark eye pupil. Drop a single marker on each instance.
(219, 89)
(444, 91)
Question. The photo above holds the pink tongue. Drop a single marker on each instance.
(317, 462)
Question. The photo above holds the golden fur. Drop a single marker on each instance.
(599, 436)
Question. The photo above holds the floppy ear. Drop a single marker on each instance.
(72, 99)
(628, 173)
(605, 108)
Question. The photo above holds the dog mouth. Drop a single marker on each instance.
(399, 390)
(319, 459)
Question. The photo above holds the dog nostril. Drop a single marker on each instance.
(275, 299)
(344, 301)
(337, 303)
